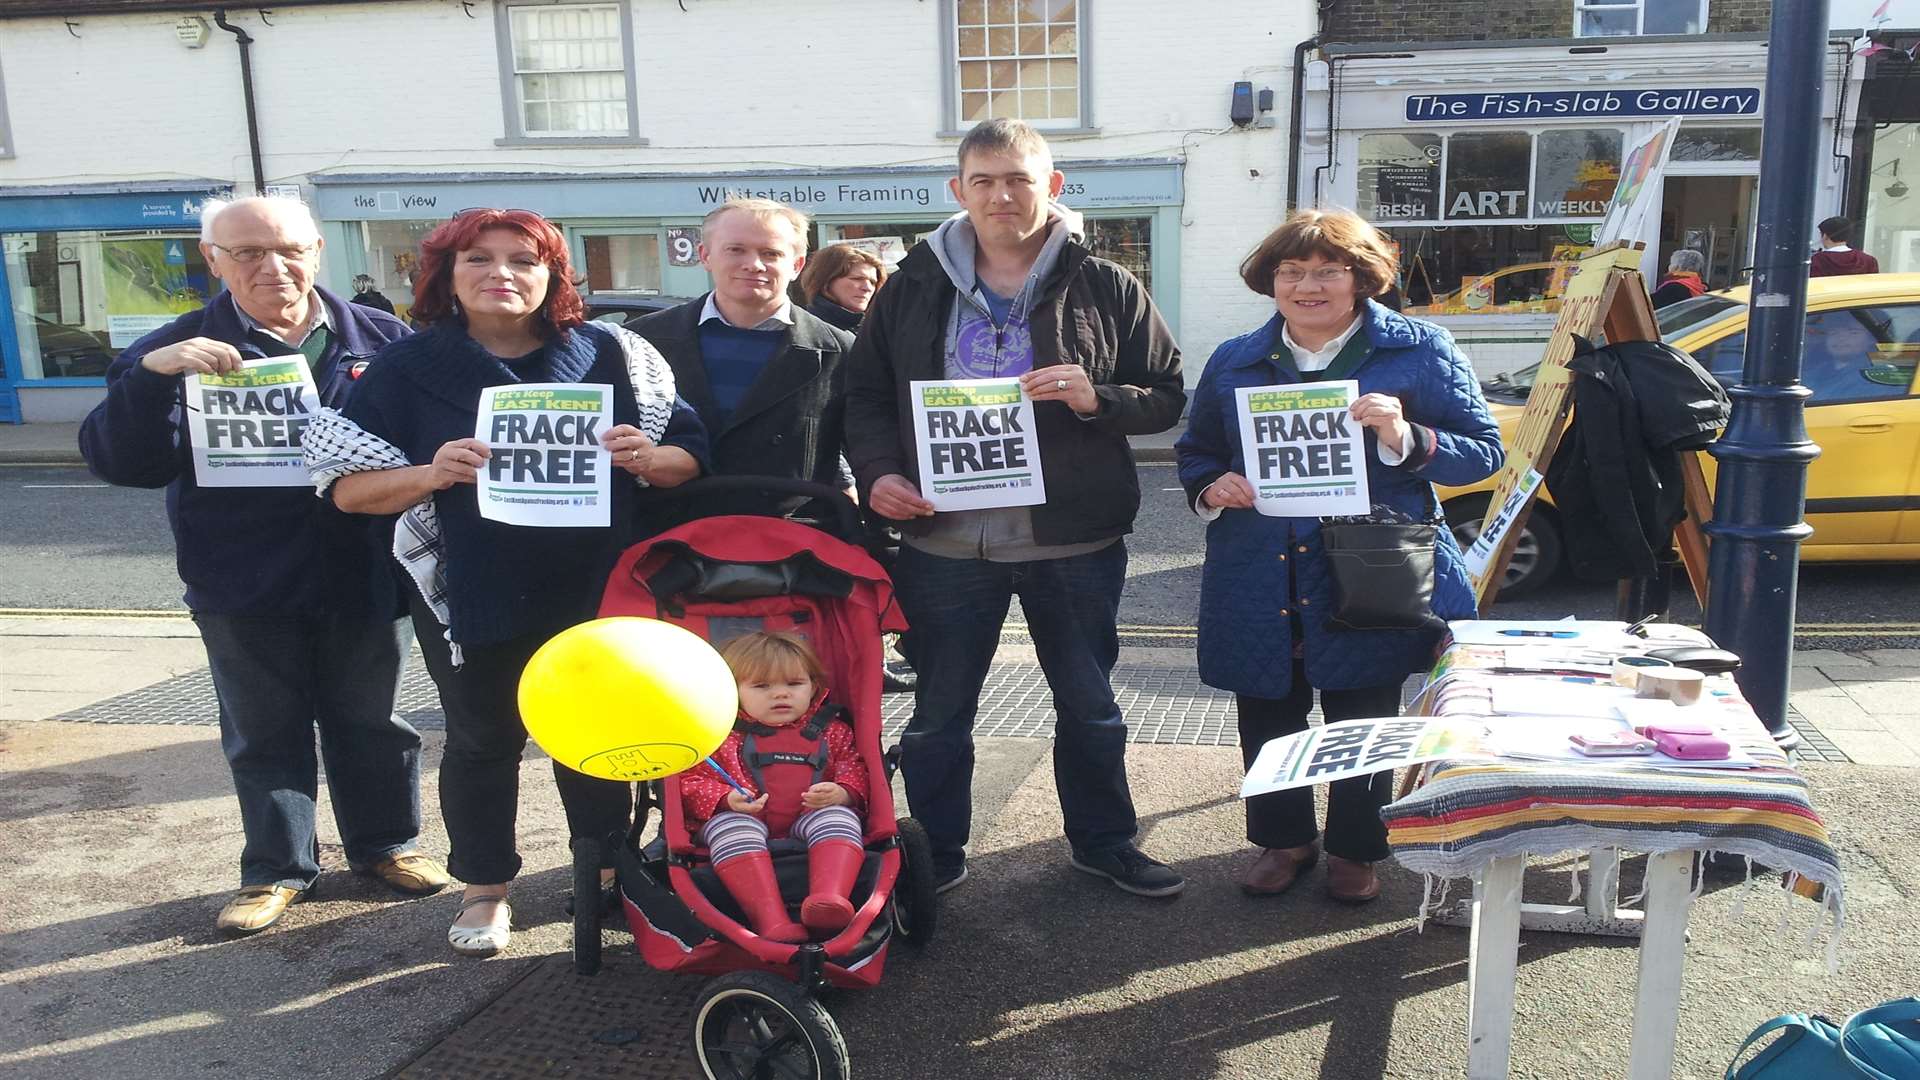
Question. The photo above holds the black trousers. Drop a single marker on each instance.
(480, 771)
(1284, 819)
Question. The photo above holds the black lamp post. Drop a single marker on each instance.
(1760, 498)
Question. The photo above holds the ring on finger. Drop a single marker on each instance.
(1059, 384)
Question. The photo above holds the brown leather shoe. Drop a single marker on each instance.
(1276, 869)
(255, 908)
(409, 872)
(1351, 882)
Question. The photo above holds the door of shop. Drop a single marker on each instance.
(1714, 216)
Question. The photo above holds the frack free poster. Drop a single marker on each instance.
(548, 467)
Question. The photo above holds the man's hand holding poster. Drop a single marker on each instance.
(245, 426)
(977, 444)
(1305, 453)
(548, 467)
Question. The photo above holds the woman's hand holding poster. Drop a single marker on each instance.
(977, 445)
(548, 467)
(1305, 456)
(245, 426)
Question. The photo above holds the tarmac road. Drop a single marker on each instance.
(74, 543)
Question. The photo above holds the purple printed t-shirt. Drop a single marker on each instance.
(987, 347)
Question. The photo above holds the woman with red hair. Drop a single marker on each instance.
(496, 294)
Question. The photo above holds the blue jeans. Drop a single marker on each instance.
(956, 608)
(276, 678)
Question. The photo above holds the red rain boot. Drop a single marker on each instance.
(832, 867)
(750, 879)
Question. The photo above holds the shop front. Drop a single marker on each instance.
(1887, 153)
(1492, 190)
(638, 234)
(86, 274)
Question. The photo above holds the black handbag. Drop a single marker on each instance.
(1382, 570)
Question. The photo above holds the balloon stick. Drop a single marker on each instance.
(731, 782)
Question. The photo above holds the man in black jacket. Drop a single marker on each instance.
(296, 602)
(1007, 289)
(765, 374)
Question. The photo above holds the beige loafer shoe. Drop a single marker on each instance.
(255, 908)
(482, 940)
(409, 872)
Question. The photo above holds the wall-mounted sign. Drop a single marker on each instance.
(1573, 104)
(683, 246)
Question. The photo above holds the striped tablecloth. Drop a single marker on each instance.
(1469, 813)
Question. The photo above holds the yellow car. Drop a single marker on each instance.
(1861, 355)
(1523, 289)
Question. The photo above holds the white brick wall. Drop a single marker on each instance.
(728, 85)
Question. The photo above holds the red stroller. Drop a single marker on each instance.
(721, 577)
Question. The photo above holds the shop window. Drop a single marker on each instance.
(81, 297)
(623, 262)
(1699, 143)
(1575, 173)
(1487, 176)
(393, 254)
(1487, 269)
(567, 71)
(1127, 241)
(1890, 228)
(1021, 59)
(1626, 18)
(1400, 177)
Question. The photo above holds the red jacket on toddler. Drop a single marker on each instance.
(790, 759)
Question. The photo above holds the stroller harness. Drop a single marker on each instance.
(792, 747)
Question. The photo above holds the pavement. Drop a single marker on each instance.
(122, 843)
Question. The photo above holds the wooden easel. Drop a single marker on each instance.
(1606, 294)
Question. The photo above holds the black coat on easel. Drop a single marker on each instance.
(1616, 479)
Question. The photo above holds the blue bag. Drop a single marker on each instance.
(1881, 1043)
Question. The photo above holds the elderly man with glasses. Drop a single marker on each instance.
(297, 603)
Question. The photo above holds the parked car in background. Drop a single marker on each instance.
(70, 352)
(623, 308)
(1862, 353)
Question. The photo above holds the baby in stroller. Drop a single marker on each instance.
(794, 752)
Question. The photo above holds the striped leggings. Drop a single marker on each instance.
(729, 835)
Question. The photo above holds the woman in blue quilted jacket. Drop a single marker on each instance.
(1265, 588)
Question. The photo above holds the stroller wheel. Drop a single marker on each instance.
(749, 1025)
(915, 899)
(586, 906)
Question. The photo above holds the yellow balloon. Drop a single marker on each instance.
(628, 698)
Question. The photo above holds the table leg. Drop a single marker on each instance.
(1656, 1001)
(1493, 956)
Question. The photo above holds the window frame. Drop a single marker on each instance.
(1443, 185)
(950, 122)
(512, 115)
(1581, 7)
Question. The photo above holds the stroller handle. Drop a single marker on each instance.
(845, 511)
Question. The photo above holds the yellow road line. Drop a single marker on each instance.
(90, 613)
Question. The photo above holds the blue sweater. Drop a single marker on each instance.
(734, 359)
(509, 581)
(246, 551)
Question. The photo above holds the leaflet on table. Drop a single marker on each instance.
(1359, 747)
(245, 427)
(1480, 552)
(977, 445)
(1305, 456)
(548, 467)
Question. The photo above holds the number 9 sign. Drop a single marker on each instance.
(683, 247)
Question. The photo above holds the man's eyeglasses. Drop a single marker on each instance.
(1325, 275)
(248, 253)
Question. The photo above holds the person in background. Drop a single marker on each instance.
(1683, 278)
(496, 290)
(366, 295)
(1835, 258)
(839, 283)
(297, 606)
(1265, 588)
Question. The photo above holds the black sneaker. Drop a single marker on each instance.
(897, 677)
(1131, 869)
(946, 878)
